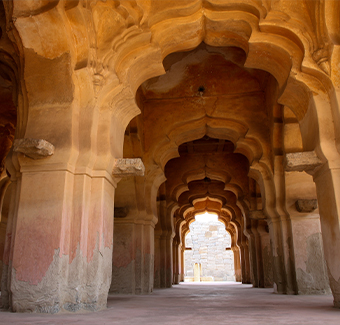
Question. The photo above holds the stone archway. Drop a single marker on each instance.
(101, 53)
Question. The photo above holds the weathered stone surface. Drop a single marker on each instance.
(306, 205)
(34, 148)
(211, 95)
(128, 167)
(302, 161)
(60, 291)
(209, 242)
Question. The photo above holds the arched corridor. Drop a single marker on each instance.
(121, 120)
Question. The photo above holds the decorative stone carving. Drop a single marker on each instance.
(321, 58)
(34, 148)
(306, 205)
(128, 167)
(302, 161)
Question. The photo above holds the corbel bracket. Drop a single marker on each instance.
(34, 148)
(306, 161)
(125, 167)
(306, 205)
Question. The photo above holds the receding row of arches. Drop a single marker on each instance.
(220, 135)
(232, 108)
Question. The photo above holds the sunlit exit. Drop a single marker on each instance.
(206, 217)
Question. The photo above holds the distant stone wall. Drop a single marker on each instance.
(208, 242)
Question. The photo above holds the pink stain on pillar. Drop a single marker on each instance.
(124, 248)
(36, 241)
(61, 219)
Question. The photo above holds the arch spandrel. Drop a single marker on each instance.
(136, 17)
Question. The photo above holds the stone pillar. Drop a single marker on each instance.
(163, 247)
(253, 251)
(328, 192)
(166, 261)
(133, 257)
(310, 268)
(5, 191)
(163, 260)
(237, 264)
(311, 277)
(134, 239)
(68, 264)
(182, 271)
(245, 262)
(262, 248)
(311, 271)
(6, 293)
(279, 270)
(267, 256)
(259, 257)
(158, 266)
(176, 261)
(283, 250)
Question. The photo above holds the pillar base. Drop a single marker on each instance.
(65, 287)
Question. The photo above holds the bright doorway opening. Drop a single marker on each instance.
(208, 255)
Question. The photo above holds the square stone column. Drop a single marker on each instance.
(178, 256)
(245, 261)
(267, 256)
(309, 261)
(158, 266)
(163, 248)
(328, 192)
(133, 257)
(311, 271)
(164, 257)
(59, 248)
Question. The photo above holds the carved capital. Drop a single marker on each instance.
(34, 148)
(128, 167)
(306, 205)
(302, 161)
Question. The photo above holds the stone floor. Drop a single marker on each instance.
(199, 304)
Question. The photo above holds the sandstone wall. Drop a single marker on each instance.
(208, 243)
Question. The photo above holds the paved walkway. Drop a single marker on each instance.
(198, 304)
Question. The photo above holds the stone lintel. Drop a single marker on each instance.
(257, 215)
(302, 161)
(306, 205)
(125, 167)
(33, 148)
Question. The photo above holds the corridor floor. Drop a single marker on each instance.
(198, 304)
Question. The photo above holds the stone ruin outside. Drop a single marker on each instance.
(208, 249)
